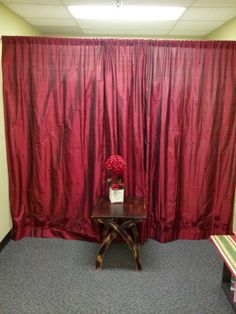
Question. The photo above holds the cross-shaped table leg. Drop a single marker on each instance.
(121, 230)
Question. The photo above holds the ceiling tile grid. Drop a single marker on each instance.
(53, 17)
(48, 22)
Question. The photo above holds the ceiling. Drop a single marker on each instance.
(199, 19)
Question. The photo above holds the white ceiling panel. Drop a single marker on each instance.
(200, 18)
(51, 29)
(130, 33)
(188, 33)
(160, 2)
(40, 21)
(214, 3)
(197, 25)
(147, 26)
(42, 11)
(32, 1)
(132, 2)
(210, 14)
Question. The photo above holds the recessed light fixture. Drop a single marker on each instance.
(125, 13)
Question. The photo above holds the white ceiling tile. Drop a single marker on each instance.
(159, 2)
(60, 29)
(197, 25)
(59, 22)
(188, 33)
(211, 14)
(87, 2)
(39, 11)
(32, 1)
(130, 33)
(52, 16)
(132, 2)
(121, 25)
(214, 3)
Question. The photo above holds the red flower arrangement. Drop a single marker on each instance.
(115, 165)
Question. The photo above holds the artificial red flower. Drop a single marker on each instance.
(115, 186)
(116, 165)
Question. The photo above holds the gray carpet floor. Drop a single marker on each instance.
(45, 276)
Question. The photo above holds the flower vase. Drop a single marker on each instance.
(116, 195)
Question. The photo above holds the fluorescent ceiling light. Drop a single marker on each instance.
(125, 13)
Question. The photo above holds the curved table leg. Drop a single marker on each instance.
(105, 244)
(136, 235)
(130, 242)
(105, 230)
(109, 238)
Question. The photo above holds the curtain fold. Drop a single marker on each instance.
(168, 107)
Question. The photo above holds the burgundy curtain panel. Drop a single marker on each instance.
(168, 107)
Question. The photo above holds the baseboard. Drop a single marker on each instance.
(5, 240)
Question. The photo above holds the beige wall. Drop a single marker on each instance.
(225, 32)
(10, 24)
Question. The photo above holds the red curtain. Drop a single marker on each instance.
(168, 107)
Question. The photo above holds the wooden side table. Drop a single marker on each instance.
(117, 218)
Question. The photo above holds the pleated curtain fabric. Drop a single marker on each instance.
(168, 107)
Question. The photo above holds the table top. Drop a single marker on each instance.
(226, 245)
(133, 207)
